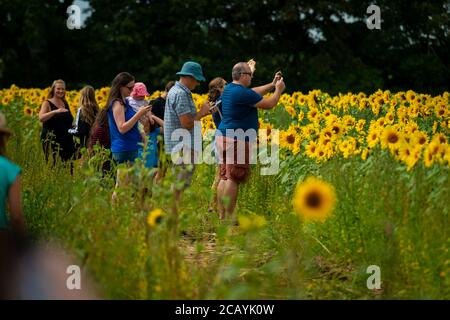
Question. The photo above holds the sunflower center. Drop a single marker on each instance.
(392, 138)
(313, 200)
(290, 139)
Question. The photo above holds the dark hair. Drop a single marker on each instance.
(169, 85)
(121, 80)
(3, 137)
(214, 88)
(101, 119)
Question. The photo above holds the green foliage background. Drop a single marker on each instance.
(317, 44)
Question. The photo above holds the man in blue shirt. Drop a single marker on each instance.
(238, 129)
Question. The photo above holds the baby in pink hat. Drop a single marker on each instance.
(136, 100)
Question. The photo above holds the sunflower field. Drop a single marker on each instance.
(364, 181)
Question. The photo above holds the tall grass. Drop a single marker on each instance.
(385, 216)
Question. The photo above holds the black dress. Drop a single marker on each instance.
(55, 136)
(82, 130)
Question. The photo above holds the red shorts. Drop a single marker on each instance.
(234, 159)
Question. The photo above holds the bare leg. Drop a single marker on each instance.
(213, 204)
(231, 192)
(220, 194)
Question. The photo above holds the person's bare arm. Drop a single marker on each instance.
(119, 117)
(262, 90)
(15, 207)
(272, 101)
(187, 120)
(45, 113)
(158, 120)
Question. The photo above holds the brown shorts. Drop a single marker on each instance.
(234, 159)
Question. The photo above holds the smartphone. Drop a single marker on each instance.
(215, 108)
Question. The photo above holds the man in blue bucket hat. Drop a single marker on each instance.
(182, 127)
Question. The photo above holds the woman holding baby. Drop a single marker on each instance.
(123, 120)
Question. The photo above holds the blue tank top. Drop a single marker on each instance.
(123, 142)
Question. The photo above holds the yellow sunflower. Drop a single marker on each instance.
(28, 111)
(154, 217)
(310, 149)
(420, 138)
(314, 199)
(391, 138)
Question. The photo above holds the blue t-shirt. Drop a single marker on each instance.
(123, 142)
(8, 174)
(238, 108)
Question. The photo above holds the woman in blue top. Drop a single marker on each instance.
(9, 186)
(123, 121)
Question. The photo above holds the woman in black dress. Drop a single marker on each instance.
(57, 120)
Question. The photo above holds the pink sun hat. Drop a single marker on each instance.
(139, 90)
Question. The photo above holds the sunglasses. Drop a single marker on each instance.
(249, 73)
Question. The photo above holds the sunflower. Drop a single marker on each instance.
(441, 110)
(6, 100)
(409, 154)
(360, 125)
(428, 158)
(314, 199)
(313, 115)
(439, 138)
(420, 138)
(372, 138)
(389, 118)
(336, 128)
(154, 217)
(289, 139)
(310, 149)
(391, 138)
(327, 112)
(290, 109)
(28, 111)
(301, 116)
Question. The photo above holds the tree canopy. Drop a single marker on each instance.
(317, 44)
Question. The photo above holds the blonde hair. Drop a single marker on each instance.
(51, 93)
(88, 105)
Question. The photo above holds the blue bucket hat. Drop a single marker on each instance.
(193, 69)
